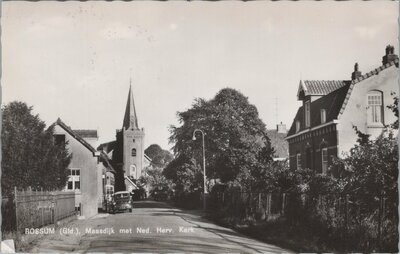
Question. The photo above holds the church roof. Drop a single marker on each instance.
(130, 117)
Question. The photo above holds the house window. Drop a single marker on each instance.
(307, 114)
(59, 139)
(324, 157)
(133, 152)
(75, 172)
(323, 116)
(375, 107)
(74, 181)
(297, 126)
(298, 160)
(308, 160)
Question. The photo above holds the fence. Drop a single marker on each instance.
(33, 209)
(366, 222)
(246, 205)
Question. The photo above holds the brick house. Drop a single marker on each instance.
(323, 125)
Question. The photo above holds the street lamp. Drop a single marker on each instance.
(204, 165)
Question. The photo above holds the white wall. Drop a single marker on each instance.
(355, 112)
(83, 159)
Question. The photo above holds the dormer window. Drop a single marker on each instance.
(323, 116)
(307, 113)
(297, 126)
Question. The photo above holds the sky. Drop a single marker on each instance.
(75, 60)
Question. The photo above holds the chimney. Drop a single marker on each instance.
(390, 55)
(281, 128)
(356, 73)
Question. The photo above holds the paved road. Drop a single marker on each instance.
(152, 227)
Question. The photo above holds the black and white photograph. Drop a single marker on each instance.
(199, 126)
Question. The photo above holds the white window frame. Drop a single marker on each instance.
(375, 108)
(324, 160)
(298, 161)
(307, 120)
(74, 177)
(323, 116)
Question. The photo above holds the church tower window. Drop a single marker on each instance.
(133, 152)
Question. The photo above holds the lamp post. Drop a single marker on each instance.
(204, 165)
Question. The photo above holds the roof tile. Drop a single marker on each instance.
(87, 133)
(323, 87)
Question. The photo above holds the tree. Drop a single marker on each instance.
(154, 177)
(185, 174)
(395, 108)
(235, 138)
(29, 155)
(370, 170)
(158, 156)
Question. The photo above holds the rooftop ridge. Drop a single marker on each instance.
(75, 135)
(367, 75)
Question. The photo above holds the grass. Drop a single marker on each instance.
(21, 243)
(278, 231)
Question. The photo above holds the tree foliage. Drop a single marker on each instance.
(154, 177)
(236, 143)
(29, 155)
(395, 108)
(185, 173)
(158, 156)
(370, 170)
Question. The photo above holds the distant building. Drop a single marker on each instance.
(278, 142)
(323, 125)
(127, 151)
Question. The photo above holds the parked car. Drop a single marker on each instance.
(122, 201)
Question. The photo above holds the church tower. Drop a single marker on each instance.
(133, 141)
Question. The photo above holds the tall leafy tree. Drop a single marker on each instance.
(236, 142)
(154, 177)
(158, 156)
(29, 155)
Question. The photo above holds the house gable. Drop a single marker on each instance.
(354, 111)
(362, 102)
(334, 103)
(77, 137)
(374, 72)
(331, 103)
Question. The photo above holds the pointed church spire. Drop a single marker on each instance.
(130, 118)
